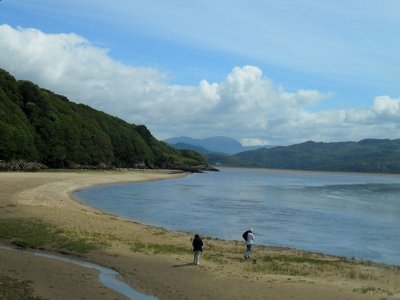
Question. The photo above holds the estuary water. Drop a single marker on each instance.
(346, 214)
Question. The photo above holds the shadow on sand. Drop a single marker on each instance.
(184, 265)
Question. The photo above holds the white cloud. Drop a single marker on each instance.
(246, 105)
(386, 106)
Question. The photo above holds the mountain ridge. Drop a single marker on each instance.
(367, 155)
(216, 144)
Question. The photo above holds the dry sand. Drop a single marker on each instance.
(131, 250)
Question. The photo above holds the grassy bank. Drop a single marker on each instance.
(39, 236)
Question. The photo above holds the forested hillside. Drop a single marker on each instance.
(39, 125)
(369, 155)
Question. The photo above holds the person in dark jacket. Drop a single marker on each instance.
(197, 248)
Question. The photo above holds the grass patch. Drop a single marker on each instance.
(281, 268)
(10, 205)
(299, 259)
(159, 248)
(216, 258)
(138, 247)
(160, 231)
(14, 289)
(306, 265)
(36, 235)
(372, 289)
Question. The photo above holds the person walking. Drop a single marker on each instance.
(249, 240)
(197, 248)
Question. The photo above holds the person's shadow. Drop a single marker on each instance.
(183, 265)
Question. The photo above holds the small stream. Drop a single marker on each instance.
(107, 277)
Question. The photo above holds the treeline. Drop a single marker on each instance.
(38, 125)
(369, 155)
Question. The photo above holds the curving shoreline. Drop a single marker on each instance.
(44, 197)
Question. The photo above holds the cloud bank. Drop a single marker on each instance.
(246, 105)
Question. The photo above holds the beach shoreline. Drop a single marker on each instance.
(133, 249)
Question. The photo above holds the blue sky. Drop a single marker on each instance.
(263, 72)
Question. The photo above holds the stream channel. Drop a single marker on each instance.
(107, 277)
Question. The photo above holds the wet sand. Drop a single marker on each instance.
(131, 249)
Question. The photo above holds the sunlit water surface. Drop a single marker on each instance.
(352, 215)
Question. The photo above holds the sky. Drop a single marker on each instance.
(264, 72)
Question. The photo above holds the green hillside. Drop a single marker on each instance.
(370, 155)
(41, 126)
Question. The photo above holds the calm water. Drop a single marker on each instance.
(352, 215)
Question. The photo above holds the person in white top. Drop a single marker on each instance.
(249, 238)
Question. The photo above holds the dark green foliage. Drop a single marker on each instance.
(38, 125)
(16, 133)
(371, 155)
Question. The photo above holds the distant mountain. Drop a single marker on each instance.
(369, 155)
(184, 146)
(219, 144)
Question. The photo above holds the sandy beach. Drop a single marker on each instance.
(159, 262)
